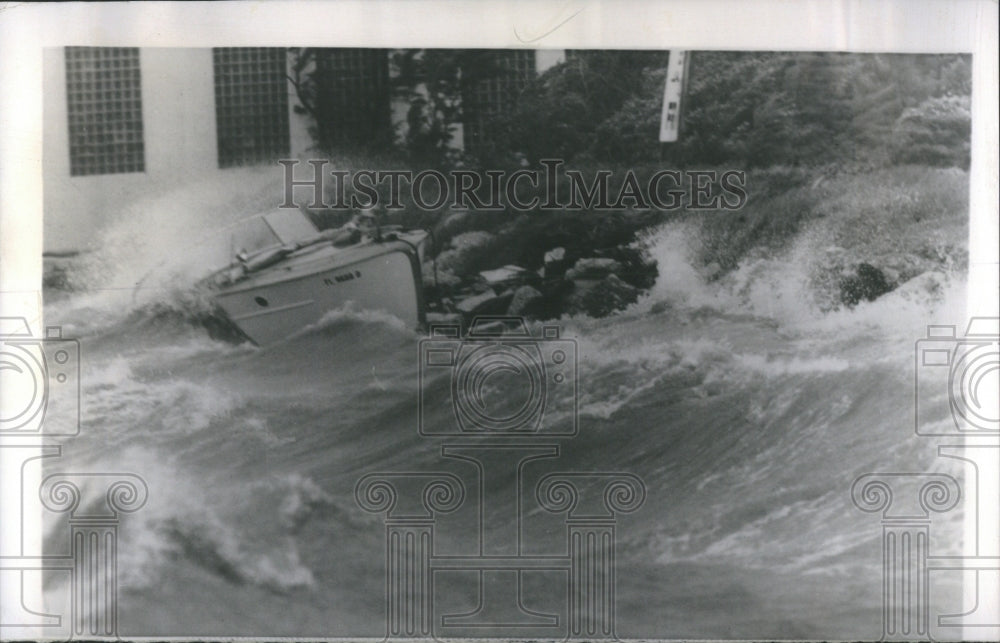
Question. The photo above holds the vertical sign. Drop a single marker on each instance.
(672, 92)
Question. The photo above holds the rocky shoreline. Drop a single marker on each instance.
(595, 286)
(857, 237)
(602, 282)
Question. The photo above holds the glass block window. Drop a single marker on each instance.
(104, 106)
(352, 87)
(495, 96)
(251, 104)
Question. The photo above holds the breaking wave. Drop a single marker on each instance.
(745, 402)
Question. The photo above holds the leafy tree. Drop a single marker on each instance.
(346, 94)
(936, 132)
(756, 109)
(560, 113)
(432, 82)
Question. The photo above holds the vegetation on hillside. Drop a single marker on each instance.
(867, 154)
(754, 109)
(819, 134)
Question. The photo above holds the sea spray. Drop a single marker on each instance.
(747, 416)
(791, 285)
(160, 239)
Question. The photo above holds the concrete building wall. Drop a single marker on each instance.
(179, 138)
(178, 113)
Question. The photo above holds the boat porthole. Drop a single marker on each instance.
(261, 301)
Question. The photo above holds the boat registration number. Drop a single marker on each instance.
(339, 279)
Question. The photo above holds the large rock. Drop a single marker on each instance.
(485, 303)
(526, 301)
(555, 263)
(866, 284)
(464, 251)
(56, 274)
(453, 222)
(468, 304)
(599, 298)
(593, 268)
(439, 276)
(444, 319)
(507, 276)
(497, 305)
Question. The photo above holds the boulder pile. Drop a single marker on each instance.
(595, 286)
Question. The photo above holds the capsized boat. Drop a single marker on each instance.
(285, 274)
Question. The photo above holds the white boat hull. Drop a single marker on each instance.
(277, 302)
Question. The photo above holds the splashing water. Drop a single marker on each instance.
(745, 405)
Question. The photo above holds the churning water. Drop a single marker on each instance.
(746, 411)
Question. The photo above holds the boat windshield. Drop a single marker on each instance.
(252, 236)
(218, 257)
(290, 225)
(266, 231)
